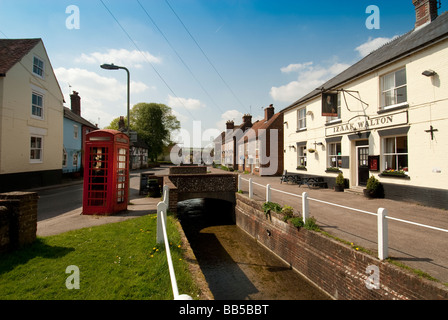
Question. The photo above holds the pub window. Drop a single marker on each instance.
(38, 67)
(301, 119)
(301, 156)
(395, 153)
(36, 149)
(394, 89)
(37, 105)
(334, 155)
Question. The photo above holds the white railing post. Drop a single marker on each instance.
(382, 234)
(268, 193)
(305, 208)
(166, 195)
(161, 211)
(251, 190)
(239, 183)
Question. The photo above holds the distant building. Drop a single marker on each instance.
(75, 130)
(265, 155)
(31, 116)
(387, 117)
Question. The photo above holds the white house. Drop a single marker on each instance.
(385, 116)
(31, 116)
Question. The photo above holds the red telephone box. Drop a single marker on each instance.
(106, 172)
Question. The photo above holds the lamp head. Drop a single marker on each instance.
(109, 66)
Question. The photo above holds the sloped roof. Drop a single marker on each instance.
(69, 114)
(13, 50)
(400, 47)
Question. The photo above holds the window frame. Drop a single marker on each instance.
(394, 154)
(301, 120)
(338, 161)
(33, 105)
(301, 155)
(41, 149)
(394, 89)
(40, 74)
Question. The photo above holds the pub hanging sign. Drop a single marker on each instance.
(329, 104)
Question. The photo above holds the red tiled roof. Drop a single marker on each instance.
(13, 50)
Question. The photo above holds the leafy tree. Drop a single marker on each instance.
(154, 123)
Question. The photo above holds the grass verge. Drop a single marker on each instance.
(119, 261)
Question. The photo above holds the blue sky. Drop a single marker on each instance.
(230, 57)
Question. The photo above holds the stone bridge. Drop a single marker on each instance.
(194, 182)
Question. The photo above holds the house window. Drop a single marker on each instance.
(75, 160)
(64, 157)
(301, 156)
(75, 131)
(395, 153)
(36, 149)
(37, 105)
(38, 67)
(334, 155)
(394, 89)
(301, 119)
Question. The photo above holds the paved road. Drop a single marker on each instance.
(415, 246)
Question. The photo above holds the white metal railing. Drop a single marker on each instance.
(381, 214)
(162, 237)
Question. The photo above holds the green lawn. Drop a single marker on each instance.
(116, 261)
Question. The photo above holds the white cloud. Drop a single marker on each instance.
(188, 103)
(119, 57)
(309, 78)
(372, 44)
(295, 67)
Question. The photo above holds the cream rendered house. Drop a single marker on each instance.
(389, 120)
(31, 116)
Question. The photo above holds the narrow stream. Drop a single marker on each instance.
(234, 265)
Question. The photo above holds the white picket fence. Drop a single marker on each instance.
(162, 237)
(382, 217)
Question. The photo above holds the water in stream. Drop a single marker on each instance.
(234, 265)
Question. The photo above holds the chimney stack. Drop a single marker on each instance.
(121, 125)
(230, 125)
(75, 101)
(268, 112)
(247, 119)
(425, 11)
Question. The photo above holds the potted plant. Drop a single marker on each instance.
(374, 188)
(340, 183)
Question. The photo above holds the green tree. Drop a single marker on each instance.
(154, 123)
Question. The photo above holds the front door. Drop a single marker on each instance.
(363, 165)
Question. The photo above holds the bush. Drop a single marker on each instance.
(340, 179)
(271, 206)
(374, 188)
(288, 212)
(297, 222)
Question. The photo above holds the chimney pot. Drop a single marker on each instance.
(230, 124)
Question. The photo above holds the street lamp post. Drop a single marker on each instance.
(114, 67)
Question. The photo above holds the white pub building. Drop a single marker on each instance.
(385, 116)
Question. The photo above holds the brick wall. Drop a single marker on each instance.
(334, 267)
(18, 219)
